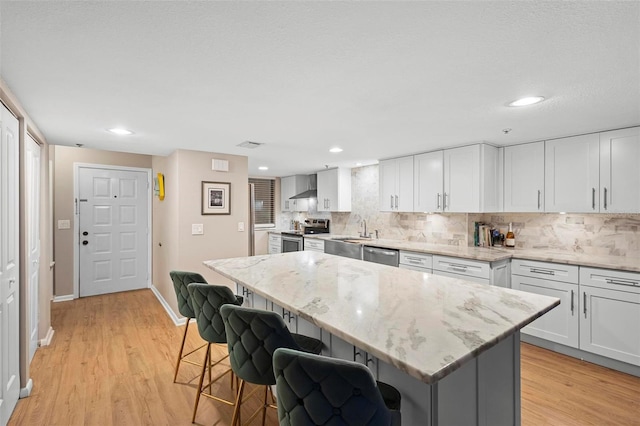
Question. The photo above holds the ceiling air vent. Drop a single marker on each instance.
(250, 145)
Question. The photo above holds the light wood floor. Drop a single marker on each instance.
(112, 357)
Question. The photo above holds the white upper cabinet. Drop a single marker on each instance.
(620, 171)
(396, 184)
(334, 190)
(428, 182)
(471, 179)
(524, 178)
(290, 186)
(596, 173)
(572, 174)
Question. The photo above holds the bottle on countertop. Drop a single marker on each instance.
(510, 239)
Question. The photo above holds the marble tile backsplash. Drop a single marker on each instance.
(598, 234)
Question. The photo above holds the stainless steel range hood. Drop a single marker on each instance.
(312, 192)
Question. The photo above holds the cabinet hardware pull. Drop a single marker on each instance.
(369, 360)
(459, 268)
(571, 302)
(391, 202)
(538, 199)
(396, 202)
(605, 198)
(584, 301)
(622, 282)
(356, 353)
(444, 201)
(457, 265)
(438, 205)
(542, 271)
(593, 198)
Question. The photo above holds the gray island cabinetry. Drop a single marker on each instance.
(450, 346)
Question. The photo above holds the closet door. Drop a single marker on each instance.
(9, 263)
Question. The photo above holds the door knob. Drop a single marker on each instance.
(85, 242)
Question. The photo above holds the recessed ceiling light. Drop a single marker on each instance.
(526, 101)
(263, 168)
(336, 149)
(120, 131)
(358, 164)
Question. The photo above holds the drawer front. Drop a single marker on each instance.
(545, 270)
(416, 259)
(274, 249)
(614, 280)
(312, 244)
(471, 278)
(275, 238)
(470, 268)
(416, 268)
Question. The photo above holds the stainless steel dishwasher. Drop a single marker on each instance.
(340, 247)
(381, 255)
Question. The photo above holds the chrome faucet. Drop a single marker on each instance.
(364, 225)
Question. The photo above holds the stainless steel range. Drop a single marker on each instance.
(294, 240)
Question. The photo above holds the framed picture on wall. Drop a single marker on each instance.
(216, 197)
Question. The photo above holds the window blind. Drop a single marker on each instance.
(265, 200)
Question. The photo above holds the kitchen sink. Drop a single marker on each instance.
(350, 239)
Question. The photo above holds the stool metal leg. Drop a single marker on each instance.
(184, 339)
(236, 411)
(204, 366)
(265, 404)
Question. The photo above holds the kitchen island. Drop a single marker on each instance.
(450, 346)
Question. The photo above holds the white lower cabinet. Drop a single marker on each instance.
(599, 309)
(560, 325)
(421, 262)
(610, 314)
(493, 273)
(251, 299)
(312, 244)
(294, 323)
(275, 243)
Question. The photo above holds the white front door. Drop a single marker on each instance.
(113, 226)
(9, 261)
(32, 177)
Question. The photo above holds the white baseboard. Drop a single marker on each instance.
(65, 298)
(176, 320)
(26, 391)
(48, 338)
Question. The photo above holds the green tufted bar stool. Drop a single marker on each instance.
(180, 281)
(252, 337)
(207, 300)
(317, 390)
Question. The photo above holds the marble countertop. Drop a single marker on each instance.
(493, 254)
(423, 324)
(619, 263)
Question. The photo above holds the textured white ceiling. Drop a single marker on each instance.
(379, 79)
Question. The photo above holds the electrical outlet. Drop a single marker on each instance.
(197, 229)
(64, 224)
(240, 226)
